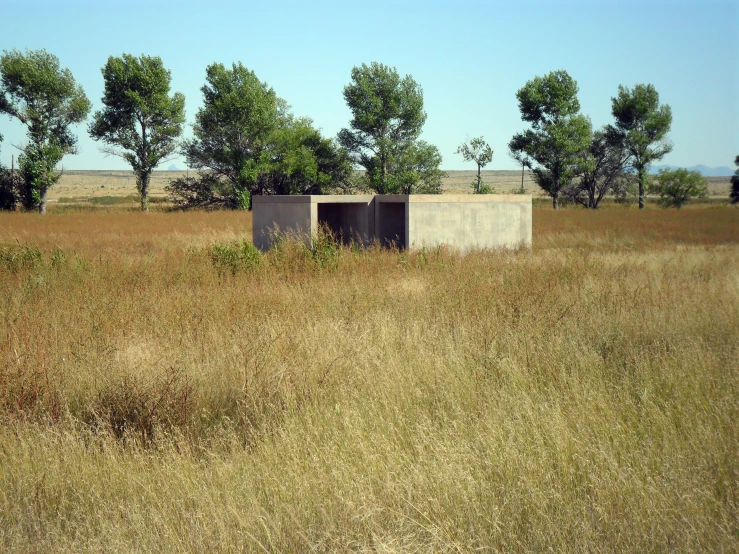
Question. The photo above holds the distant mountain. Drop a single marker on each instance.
(722, 171)
(173, 167)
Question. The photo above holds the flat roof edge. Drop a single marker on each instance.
(313, 199)
(387, 198)
(458, 198)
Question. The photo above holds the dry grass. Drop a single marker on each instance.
(161, 390)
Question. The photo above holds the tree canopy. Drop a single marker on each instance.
(387, 119)
(559, 134)
(140, 122)
(643, 125)
(45, 98)
(247, 142)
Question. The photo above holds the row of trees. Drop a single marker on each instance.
(246, 140)
(567, 157)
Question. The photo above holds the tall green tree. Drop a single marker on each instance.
(140, 122)
(248, 142)
(387, 118)
(46, 99)
(559, 134)
(233, 129)
(478, 151)
(734, 195)
(643, 124)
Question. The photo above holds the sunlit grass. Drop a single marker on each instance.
(162, 391)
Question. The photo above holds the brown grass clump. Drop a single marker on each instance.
(164, 387)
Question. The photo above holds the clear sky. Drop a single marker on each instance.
(470, 57)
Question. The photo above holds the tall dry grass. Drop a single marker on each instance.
(165, 388)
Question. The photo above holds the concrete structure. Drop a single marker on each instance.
(462, 221)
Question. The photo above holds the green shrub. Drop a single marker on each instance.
(15, 258)
(676, 187)
(234, 257)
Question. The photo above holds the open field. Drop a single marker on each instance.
(165, 389)
(81, 185)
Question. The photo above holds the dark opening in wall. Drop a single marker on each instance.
(390, 225)
(346, 220)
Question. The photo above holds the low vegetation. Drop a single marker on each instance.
(166, 387)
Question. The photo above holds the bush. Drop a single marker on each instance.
(10, 184)
(676, 187)
(204, 191)
(141, 409)
(235, 257)
(484, 188)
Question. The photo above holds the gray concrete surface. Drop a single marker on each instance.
(463, 221)
(351, 217)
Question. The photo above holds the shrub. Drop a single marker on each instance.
(10, 182)
(235, 257)
(134, 408)
(15, 258)
(678, 186)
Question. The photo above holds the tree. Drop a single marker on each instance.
(387, 118)
(643, 125)
(735, 183)
(301, 161)
(247, 142)
(478, 151)
(233, 129)
(47, 100)
(677, 186)
(559, 134)
(601, 170)
(140, 122)
(415, 170)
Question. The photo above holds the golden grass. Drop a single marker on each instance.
(581, 396)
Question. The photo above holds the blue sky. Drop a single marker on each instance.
(470, 57)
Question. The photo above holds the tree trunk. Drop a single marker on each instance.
(382, 176)
(641, 189)
(479, 178)
(555, 200)
(522, 166)
(144, 181)
(42, 202)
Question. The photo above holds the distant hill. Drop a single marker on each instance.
(722, 171)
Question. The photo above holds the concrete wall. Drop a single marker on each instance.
(291, 215)
(469, 221)
(349, 216)
(462, 221)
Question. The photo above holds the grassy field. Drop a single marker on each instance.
(164, 388)
(99, 186)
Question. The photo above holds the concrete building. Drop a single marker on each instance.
(462, 221)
